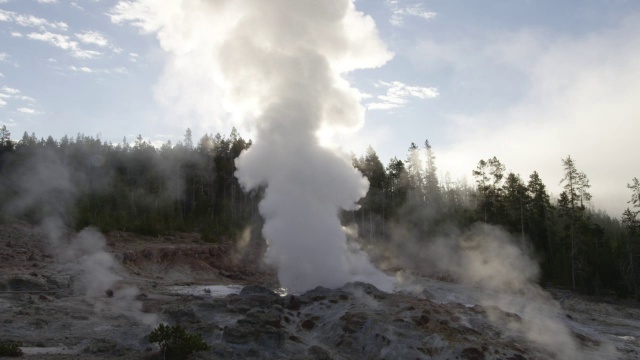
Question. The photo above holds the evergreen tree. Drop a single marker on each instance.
(576, 187)
(540, 216)
(489, 176)
(631, 224)
(415, 174)
(516, 202)
(433, 195)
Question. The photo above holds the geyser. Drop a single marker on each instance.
(278, 66)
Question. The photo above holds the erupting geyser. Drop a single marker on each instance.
(278, 65)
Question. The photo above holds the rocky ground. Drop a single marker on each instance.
(243, 317)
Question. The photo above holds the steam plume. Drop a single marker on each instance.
(47, 189)
(278, 65)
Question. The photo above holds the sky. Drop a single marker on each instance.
(527, 81)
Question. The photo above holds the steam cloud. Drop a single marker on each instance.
(277, 65)
(489, 262)
(47, 189)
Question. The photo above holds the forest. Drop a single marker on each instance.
(191, 186)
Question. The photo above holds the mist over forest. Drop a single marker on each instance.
(191, 186)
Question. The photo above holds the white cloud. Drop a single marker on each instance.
(32, 21)
(92, 37)
(65, 43)
(48, 1)
(29, 111)
(398, 95)
(75, 5)
(16, 34)
(1, 75)
(8, 93)
(6, 15)
(8, 90)
(25, 98)
(3, 56)
(2, 103)
(582, 101)
(88, 70)
(83, 69)
(400, 11)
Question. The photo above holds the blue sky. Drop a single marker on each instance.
(528, 81)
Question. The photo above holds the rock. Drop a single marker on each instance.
(239, 334)
(293, 303)
(308, 324)
(58, 281)
(27, 283)
(262, 326)
(472, 353)
(368, 289)
(100, 346)
(257, 290)
(353, 321)
(180, 314)
(253, 296)
(266, 317)
(317, 353)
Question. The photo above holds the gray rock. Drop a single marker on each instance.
(27, 283)
(317, 353)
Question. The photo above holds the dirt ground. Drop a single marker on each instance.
(47, 304)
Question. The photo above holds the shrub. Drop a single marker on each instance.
(10, 348)
(175, 342)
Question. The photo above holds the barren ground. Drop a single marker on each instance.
(41, 306)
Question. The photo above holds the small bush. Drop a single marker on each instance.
(175, 342)
(10, 348)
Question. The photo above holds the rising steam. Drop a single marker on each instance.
(47, 190)
(277, 66)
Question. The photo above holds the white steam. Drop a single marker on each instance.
(277, 66)
(488, 260)
(47, 190)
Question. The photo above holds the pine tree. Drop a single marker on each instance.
(515, 203)
(433, 195)
(631, 226)
(576, 185)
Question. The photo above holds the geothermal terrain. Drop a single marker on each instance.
(222, 292)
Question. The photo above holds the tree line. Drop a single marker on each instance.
(577, 246)
(191, 186)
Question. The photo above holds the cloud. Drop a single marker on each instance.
(8, 90)
(29, 111)
(399, 12)
(88, 70)
(48, 1)
(32, 21)
(16, 34)
(65, 43)
(398, 95)
(1, 75)
(83, 69)
(92, 37)
(8, 93)
(581, 100)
